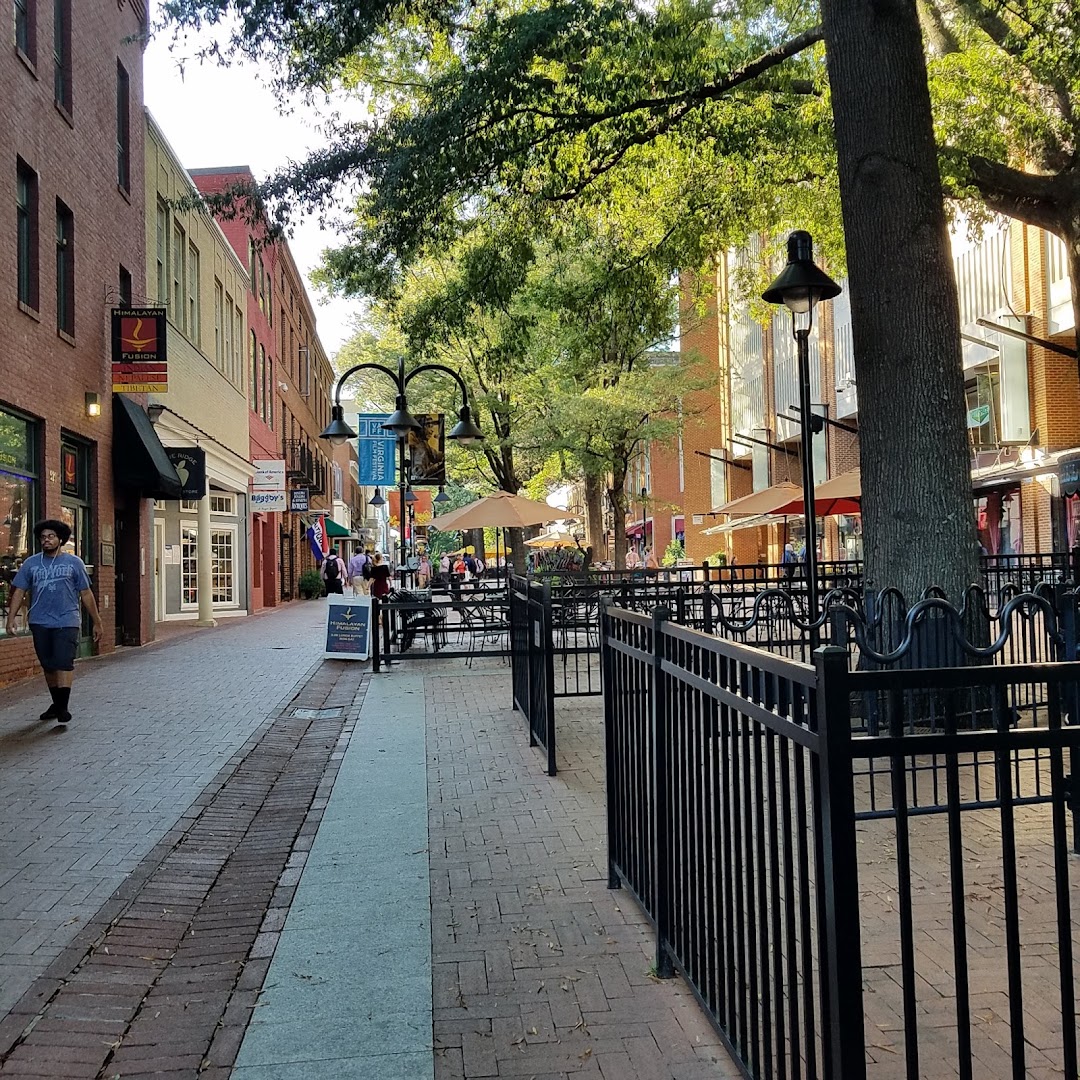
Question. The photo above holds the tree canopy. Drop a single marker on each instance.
(722, 121)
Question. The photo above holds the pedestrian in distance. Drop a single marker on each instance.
(335, 574)
(380, 577)
(790, 563)
(57, 582)
(360, 572)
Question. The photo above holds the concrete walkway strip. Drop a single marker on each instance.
(348, 993)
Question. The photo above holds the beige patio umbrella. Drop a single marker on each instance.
(767, 501)
(500, 510)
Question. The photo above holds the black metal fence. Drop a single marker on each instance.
(771, 837)
(413, 626)
(531, 662)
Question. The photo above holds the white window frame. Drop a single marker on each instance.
(190, 506)
(192, 527)
(233, 532)
(234, 535)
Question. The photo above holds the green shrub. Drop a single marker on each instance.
(310, 584)
(674, 552)
(719, 559)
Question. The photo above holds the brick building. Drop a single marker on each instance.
(1023, 402)
(290, 384)
(202, 546)
(72, 76)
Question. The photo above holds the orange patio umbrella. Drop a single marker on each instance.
(840, 495)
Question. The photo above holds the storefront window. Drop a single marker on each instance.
(18, 498)
(999, 522)
(1072, 519)
(850, 536)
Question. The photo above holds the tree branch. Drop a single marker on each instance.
(1030, 197)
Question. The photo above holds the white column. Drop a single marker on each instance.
(205, 561)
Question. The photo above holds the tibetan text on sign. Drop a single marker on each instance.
(375, 448)
(139, 364)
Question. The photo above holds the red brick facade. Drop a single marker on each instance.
(71, 155)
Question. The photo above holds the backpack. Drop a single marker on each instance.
(333, 569)
(365, 570)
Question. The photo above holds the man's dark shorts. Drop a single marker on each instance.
(56, 646)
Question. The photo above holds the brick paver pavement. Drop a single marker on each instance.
(82, 806)
(163, 981)
(539, 969)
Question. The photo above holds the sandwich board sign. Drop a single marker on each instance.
(348, 627)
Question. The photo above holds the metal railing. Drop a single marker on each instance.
(740, 791)
(413, 626)
(531, 661)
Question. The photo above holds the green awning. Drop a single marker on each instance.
(334, 530)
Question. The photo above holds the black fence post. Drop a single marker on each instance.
(613, 880)
(841, 954)
(386, 628)
(1065, 602)
(707, 611)
(530, 655)
(661, 823)
(548, 643)
(1074, 565)
(375, 650)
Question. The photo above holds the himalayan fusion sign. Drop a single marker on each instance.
(139, 364)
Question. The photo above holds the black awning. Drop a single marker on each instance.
(139, 460)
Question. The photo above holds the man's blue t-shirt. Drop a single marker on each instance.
(54, 583)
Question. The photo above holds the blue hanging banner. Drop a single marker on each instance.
(375, 450)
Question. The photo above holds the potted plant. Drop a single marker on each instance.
(310, 584)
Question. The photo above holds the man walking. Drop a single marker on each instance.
(334, 573)
(56, 582)
(360, 562)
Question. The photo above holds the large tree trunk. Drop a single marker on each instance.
(594, 516)
(617, 495)
(918, 521)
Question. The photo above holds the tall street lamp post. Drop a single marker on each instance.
(401, 422)
(800, 285)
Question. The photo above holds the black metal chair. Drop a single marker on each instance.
(425, 620)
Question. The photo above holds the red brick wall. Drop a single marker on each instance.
(702, 333)
(41, 373)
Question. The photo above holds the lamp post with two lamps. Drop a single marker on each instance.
(465, 432)
(800, 285)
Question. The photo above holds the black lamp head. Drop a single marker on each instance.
(465, 432)
(801, 284)
(401, 421)
(337, 431)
